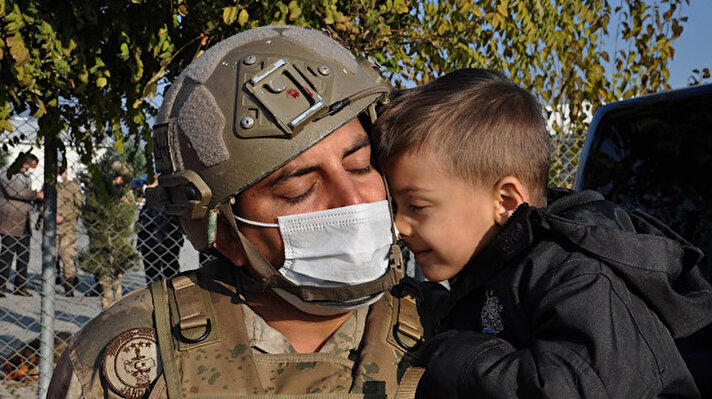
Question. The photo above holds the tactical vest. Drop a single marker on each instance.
(206, 352)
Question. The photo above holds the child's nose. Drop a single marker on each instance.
(403, 227)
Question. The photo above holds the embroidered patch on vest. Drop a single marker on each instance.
(131, 362)
(490, 315)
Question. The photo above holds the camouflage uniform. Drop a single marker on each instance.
(69, 204)
(241, 355)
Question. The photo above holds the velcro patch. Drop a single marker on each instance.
(132, 363)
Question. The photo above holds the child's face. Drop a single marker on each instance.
(442, 218)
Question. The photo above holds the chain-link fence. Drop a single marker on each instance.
(104, 249)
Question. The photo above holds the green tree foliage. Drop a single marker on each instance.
(91, 65)
(109, 215)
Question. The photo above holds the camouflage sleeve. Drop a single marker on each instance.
(75, 200)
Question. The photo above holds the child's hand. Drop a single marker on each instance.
(431, 384)
(450, 360)
(434, 297)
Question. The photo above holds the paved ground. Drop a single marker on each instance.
(20, 316)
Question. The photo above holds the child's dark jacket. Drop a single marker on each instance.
(580, 299)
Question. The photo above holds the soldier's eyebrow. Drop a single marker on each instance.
(290, 173)
(360, 143)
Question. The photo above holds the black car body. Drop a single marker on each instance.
(655, 153)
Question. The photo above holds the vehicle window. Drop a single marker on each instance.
(658, 158)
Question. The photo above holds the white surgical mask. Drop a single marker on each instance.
(335, 247)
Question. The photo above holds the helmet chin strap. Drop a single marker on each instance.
(267, 275)
(394, 229)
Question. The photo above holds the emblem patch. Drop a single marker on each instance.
(131, 362)
(490, 315)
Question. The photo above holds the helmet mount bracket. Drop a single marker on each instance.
(278, 89)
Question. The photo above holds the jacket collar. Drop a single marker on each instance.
(515, 236)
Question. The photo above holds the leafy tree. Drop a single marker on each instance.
(109, 215)
(91, 65)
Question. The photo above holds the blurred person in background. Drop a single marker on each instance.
(16, 196)
(159, 241)
(69, 204)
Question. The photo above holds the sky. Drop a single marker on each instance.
(693, 49)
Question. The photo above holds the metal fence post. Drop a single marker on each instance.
(49, 251)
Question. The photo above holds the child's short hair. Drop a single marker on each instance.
(482, 125)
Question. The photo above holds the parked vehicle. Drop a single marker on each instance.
(655, 153)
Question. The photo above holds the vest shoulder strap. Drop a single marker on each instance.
(407, 332)
(187, 307)
(409, 383)
(161, 311)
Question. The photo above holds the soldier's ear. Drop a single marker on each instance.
(228, 245)
(509, 194)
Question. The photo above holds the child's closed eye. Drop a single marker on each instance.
(415, 208)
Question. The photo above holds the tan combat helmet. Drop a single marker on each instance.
(247, 106)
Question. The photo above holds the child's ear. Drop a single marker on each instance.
(509, 194)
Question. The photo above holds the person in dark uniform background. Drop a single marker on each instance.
(159, 241)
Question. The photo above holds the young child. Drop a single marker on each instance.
(559, 297)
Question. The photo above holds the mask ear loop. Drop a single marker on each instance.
(255, 223)
(263, 269)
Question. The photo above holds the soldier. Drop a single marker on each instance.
(69, 204)
(264, 157)
(16, 195)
